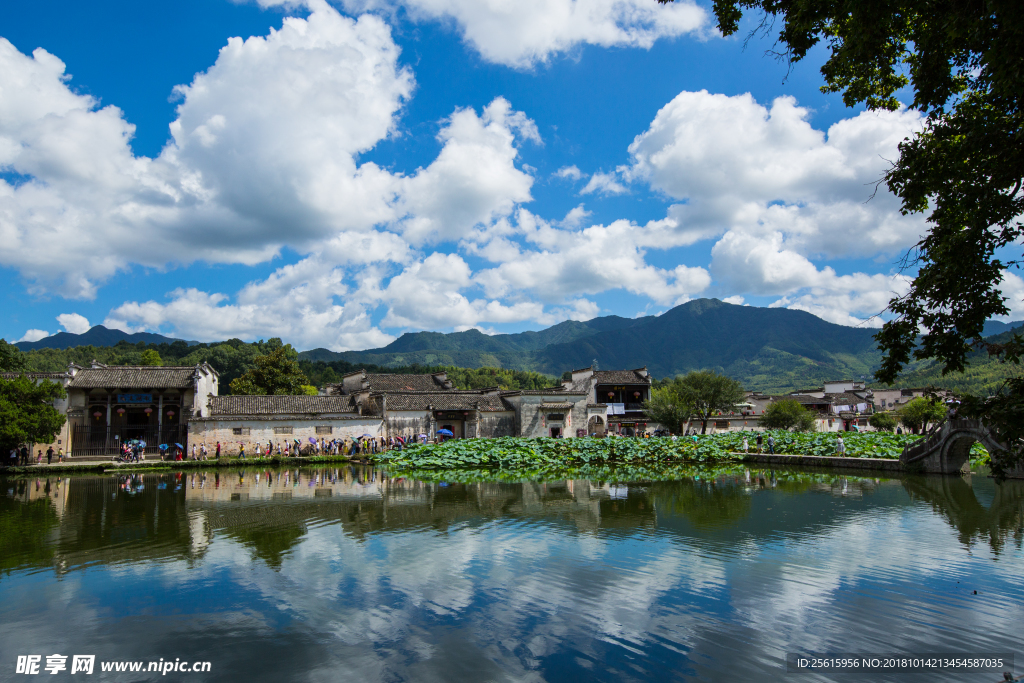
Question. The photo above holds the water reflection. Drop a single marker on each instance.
(348, 572)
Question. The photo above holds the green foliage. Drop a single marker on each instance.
(668, 408)
(27, 414)
(150, 357)
(787, 414)
(11, 359)
(1004, 414)
(308, 390)
(707, 392)
(545, 457)
(275, 373)
(884, 422)
(917, 414)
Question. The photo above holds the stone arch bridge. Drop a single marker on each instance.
(947, 450)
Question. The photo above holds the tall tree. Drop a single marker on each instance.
(787, 414)
(27, 414)
(920, 412)
(274, 373)
(964, 63)
(708, 392)
(883, 422)
(668, 408)
(11, 358)
(151, 357)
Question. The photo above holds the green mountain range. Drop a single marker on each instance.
(765, 348)
(96, 336)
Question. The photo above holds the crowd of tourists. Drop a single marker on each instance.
(366, 444)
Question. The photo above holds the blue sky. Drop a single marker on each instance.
(359, 169)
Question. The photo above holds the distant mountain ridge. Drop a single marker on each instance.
(995, 327)
(98, 335)
(765, 348)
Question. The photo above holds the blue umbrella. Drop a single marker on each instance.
(312, 440)
(179, 445)
(142, 444)
(366, 436)
(162, 447)
(445, 432)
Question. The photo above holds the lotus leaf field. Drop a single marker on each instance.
(541, 455)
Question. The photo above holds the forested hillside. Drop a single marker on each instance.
(233, 357)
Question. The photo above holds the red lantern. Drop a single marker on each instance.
(611, 394)
(97, 414)
(170, 413)
(120, 411)
(636, 394)
(148, 411)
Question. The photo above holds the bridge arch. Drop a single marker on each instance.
(948, 450)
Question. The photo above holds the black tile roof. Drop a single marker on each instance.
(805, 400)
(620, 377)
(134, 377)
(382, 382)
(280, 405)
(442, 400)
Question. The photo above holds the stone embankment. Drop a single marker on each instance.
(826, 462)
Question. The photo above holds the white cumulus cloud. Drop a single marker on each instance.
(522, 34)
(74, 323)
(34, 335)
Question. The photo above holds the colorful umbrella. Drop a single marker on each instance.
(179, 445)
(312, 440)
(445, 432)
(162, 447)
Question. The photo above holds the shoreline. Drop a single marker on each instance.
(104, 466)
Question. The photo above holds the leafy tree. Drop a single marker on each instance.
(1004, 414)
(708, 392)
(883, 422)
(274, 373)
(27, 414)
(964, 64)
(787, 414)
(667, 408)
(308, 390)
(917, 414)
(11, 358)
(151, 357)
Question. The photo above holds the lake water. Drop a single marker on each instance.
(344, 573)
